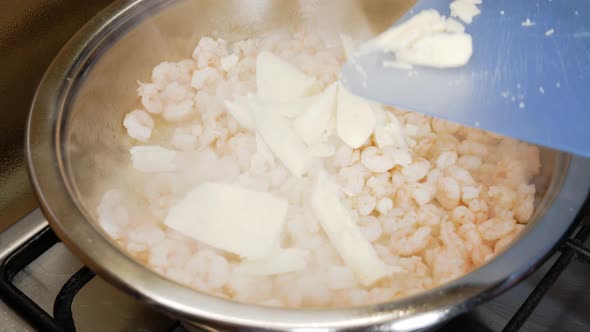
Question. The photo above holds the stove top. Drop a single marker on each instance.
(44, 287)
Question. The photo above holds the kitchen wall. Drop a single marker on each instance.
(31, 34)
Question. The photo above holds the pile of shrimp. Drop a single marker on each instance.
(465, 197)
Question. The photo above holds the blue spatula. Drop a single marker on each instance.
(528, 77)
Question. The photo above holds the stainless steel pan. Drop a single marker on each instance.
(75, 134)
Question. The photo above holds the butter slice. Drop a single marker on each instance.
(241, 112)
(279, 262)
(279, 80)
(388, 130)
(355, 120)
(356, 252)
(264, 151)
(466, 10)
(439, 50)
(279, 135)
(229, 217)
(313, 124)
(428, 39)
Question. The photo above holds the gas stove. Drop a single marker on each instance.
(43, 286)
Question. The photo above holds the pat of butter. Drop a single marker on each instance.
(241, 112)
(231, 218)
(241, 108)
(466, 10)
(153, 159)
(313, 124)
(439, 50)
(264, 151)
(293, 109)
(355, 250)
(279, 262)
(428, 39)
(289, 109)
(279, 135)
(355, 119)
(388, 130)
(279, 80)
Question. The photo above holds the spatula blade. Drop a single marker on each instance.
(528, 78)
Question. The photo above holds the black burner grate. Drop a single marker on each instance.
(573, 247)
(14, 263)
(62, 308)
(62, 319)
